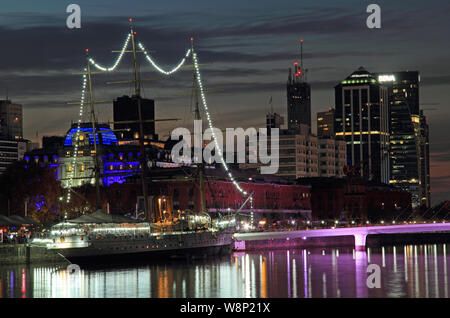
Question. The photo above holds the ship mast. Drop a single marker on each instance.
(137, 87)
(98, 204)
(197, 116)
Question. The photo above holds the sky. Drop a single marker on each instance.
(246, 48)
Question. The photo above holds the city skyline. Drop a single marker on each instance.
(251, 53)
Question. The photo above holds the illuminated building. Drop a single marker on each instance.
(118, 163)
(362, 119)
(273, 197)
(325, 124)
(83, 162)
(409, 149)
(332, 150)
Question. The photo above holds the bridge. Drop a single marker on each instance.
(359, 233)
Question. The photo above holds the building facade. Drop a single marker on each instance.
(10, 120)
(354, 199)
(11, 151)
(298, 154)
(126, 116)
(331, 157)
(77, 169)
(325, 124)
(362, 120)
(409, 154)
(298, 100)
(422, 133)
(12, 144)
(273, 120)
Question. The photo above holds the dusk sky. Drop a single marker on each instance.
(248, 45)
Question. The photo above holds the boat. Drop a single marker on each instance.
(103, 237)
(99, 236)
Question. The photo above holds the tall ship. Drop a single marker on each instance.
(100, 236)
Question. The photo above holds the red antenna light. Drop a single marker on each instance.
(296, 63)
(301, 41)
(192, 39)
(87, 50)
(131, 20)
(134, 33)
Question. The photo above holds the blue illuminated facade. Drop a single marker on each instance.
(118, 160)
(107, 136)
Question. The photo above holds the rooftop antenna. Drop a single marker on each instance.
(301, 54)
(302, 69)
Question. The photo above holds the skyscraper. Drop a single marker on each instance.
(409, 150)
(298, 97)
(126, 111)
(424, 161)
(10, 120)
(362, 119)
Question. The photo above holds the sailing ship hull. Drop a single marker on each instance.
(169, 246)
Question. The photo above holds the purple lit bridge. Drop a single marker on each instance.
(360, 233)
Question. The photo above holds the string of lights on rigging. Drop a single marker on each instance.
(162, 71)
(77, 135)
(117, 62)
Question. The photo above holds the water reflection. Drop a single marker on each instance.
(406, 271)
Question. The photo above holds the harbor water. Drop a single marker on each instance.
(405, 271)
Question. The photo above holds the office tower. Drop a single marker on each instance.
(325, 124)
(125, 110)
(10, 120)
(409, 155)
(362, 119)
(298, 96)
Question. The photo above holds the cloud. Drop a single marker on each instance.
(434, 80)
(441, 156)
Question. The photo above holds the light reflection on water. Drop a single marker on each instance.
(406, 271)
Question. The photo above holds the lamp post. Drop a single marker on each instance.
(26, 205)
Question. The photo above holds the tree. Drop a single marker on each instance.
(35, 185)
